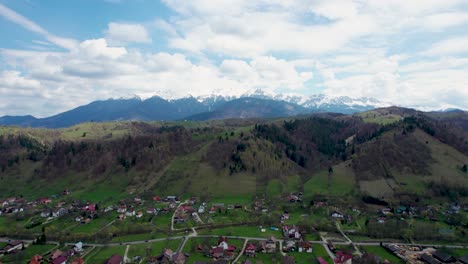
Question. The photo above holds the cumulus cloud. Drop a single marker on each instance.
(397, 51)
(120, 33)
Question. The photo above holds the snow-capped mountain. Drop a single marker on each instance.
(253, 104)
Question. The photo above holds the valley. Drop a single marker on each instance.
(369, 186)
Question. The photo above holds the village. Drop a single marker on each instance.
(172, 229)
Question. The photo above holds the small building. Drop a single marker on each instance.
(337, 215)
(115, 259)
(343, 258)
(59, 260)
(464, 259)
(13, 247)
(250, 250)
(443, 257)
(426, 258)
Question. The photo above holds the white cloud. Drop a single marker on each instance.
(370, 48)
(120, 33)
(444, 20)
(449, 46)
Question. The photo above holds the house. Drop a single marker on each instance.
(122, 209)
(151, 211)
(13, 247)
(443, 257)
(156, 198)
(343, 258)
(78, 247)
(464, 259)
(180, 219)
(78, 218)
(217, 252)
(201, 209)
(37, 259)
(78, 261)
(115, 259)
(139, 215)
(60, 212)
(55, 254)
(250, 250)
(172, 198)
(186, 209)
(386, 211)
(59, 260)
(121, 217)
(289, 246)
(45, 201)
(179, 258)
(223, 243)
(130, 213)
(426, 258)
(305, 246)
(381, 220)
(212, 210)
(268, 246)
(336, 214)
(284, 217)
(291, 232)
(85, 221)
(46, 213)
(108, 208)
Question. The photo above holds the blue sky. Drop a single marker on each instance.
(56, 55)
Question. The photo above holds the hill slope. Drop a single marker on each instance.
(416, 155)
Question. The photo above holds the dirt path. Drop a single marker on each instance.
(241, 252)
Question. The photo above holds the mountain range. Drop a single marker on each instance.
(257, 104)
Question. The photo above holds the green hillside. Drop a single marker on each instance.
(384, 153)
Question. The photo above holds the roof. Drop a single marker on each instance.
(78, 261)
(251, 246)
(442, 256)
(342, 257)
(57, 253)
(429, 259)
(59, 260)
(178, 257)
(115, 259)
(15, 243)
(464, 259)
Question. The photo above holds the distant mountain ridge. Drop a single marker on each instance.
(156, 108)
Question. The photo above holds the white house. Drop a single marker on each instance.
(336, 214)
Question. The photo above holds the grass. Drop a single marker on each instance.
(153, 249)
(245, 231)
(99, 255)
(27, 253)
(381, 252)
(318, 184)
(274, 188)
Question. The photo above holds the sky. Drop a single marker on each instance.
(56, 55)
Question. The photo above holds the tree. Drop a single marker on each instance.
(465, 168)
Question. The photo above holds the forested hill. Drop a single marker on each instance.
(384, 153)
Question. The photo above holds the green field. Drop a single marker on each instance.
(153, 249)
(27, 253)
(381, 252)
(99, 255)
